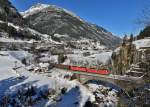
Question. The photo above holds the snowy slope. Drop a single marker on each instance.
(142, 43)
(44, 37)
(2, 39)
(9, 84)
(103, 57)
(64, 25)
(92, 60)
(39, 7)
(34, 9)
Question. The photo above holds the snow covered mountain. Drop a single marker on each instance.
(53, 20)
(13, 26)
(39, 7)
(34, 9)
(55, 24)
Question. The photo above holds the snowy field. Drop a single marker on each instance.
(76, 95)
(9, 83)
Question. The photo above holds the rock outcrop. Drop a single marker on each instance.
(132, 57)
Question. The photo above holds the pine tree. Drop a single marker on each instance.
(124, 40)
(144, 33)
(131, 38)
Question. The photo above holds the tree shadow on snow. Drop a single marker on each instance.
(7, 83)
(70, 99)
(42, 93)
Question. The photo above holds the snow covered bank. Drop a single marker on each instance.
(142, 43)
(105, 96)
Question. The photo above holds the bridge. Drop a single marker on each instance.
(126, 83)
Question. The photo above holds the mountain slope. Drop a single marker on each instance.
(12, 24)
(53, 20)
(9, 13)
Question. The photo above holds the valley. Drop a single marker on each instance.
(51, 57)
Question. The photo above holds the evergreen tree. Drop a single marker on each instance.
(131, 38)
(61, 58)
(144, 33)
(124, 40)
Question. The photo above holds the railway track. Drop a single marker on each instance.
(96, 73)
(110, 76)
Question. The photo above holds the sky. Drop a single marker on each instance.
(117, 16)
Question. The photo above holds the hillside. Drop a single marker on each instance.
(12, 24)
(54, 21)
(9, 13)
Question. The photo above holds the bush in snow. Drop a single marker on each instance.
(61, 58)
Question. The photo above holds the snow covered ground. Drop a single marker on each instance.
(105, 96)
(93, 59)
(10, 84)
(2, 39)
(45, 37)
(76, 94)
(142, 43)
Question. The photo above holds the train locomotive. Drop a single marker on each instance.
(83, 69)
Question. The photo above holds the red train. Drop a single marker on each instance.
(83, 69)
